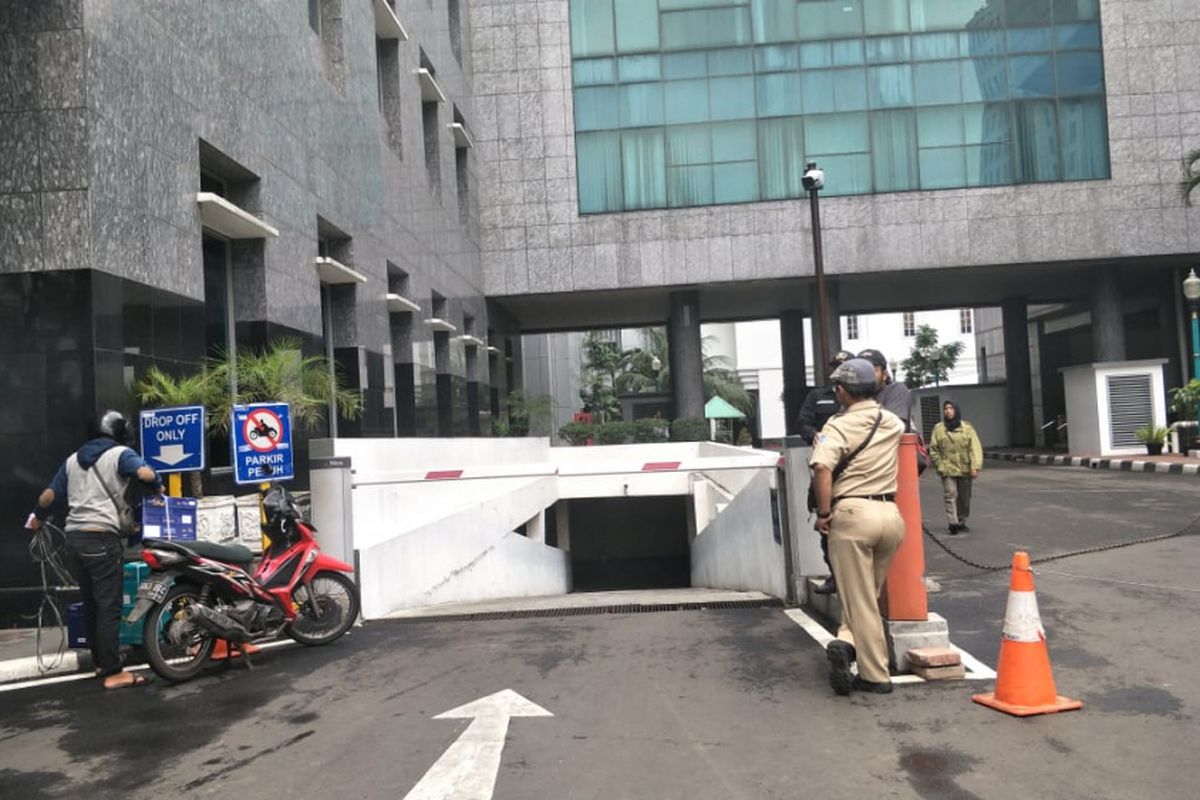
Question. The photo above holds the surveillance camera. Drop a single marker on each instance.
(813, 178)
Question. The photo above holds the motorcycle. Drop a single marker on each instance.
(200, 592)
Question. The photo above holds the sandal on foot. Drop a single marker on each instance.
(138, 680)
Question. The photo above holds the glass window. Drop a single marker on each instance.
(894, 150)
(851, 328)
(1084, 144)
(1028, 12)
(890, 86)
(684, 65)
(1031, 76)
(731, 98)
(1079, 73)
(592, 27)
(815, 55)
(848, 53)
(1085, 35)
(1072, 10)
(596, 108)
(836, 133)
(638, 68)
(690, 144)
(989, 165)
(731, 62)
(644, 167)
(690, 186)
(776, 58)
(1037, 140)
(684, 101)
(598, 161)
(888, 49)
(885, 16)
(773, 21)
(940, 127)
(935, 46)
(965, 321)
(910, 323)
(733, 141)
(937, 82)
(778, 95)
(781, 157)
(943, 15)
(736, 182)
(641, 105)
(830, 19)
(984, 79)
(636, 25)
(1030, 40)
(593, 71)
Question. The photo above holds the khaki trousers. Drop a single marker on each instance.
(957, 492)
(863, 537)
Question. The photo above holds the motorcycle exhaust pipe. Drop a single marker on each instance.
(224, 626)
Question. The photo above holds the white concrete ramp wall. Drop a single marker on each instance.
(469, 554)
(738, 549)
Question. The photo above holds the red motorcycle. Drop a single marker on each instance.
(200, 592)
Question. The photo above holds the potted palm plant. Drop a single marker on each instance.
(1153, 437)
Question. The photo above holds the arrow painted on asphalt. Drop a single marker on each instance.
(171, 454)
(468, 768)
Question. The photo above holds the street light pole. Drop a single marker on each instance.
(814, 181)
(1191, 290)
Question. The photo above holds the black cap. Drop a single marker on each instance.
(875, 357)
(840, 357)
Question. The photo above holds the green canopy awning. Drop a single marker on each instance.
(718, 408)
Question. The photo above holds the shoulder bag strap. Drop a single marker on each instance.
(845, 462)
(121, 507)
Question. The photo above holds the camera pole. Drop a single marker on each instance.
(819, 267)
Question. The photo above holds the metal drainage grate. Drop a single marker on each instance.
(770, 602)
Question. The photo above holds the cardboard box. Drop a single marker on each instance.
(171, 518)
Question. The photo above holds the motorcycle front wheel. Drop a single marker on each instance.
(176, 649)
(331, 609)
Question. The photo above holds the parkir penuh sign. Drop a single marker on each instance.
(261, 435)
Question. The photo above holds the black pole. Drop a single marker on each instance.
(822, 300)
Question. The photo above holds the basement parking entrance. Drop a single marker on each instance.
(629, 543)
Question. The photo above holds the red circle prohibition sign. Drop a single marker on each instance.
(262, 430)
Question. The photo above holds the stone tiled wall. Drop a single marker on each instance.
(43, 137)
(534, 241)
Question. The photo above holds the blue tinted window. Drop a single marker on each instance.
(688, 102)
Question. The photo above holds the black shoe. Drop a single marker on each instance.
(828, 587)
(870, 687)
(840, 655)
(954, 530)
(962, 528)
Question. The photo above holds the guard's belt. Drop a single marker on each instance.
(881, 498)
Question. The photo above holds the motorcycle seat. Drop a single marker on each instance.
(234, 554)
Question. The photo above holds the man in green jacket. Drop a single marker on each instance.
(957, 456)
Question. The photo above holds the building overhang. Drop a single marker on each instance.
(223, 217)
(387, 24)
(399, 304)
(462, 136)
(335, 272)
(430, 91)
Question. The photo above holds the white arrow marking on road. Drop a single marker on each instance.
(468, 768)
(171, 454)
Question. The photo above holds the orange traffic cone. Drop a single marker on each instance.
(222, 650)
(1024, 683)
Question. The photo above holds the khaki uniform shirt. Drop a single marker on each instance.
(871, 472)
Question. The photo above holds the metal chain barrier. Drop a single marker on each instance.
(1059, 556)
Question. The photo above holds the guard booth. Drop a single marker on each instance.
(1108, 402)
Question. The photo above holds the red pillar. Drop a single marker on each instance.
(904, 594)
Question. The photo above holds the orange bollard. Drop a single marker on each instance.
(904, 597)
(1024, 680)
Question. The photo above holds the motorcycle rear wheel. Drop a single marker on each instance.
(176, 663)
(336, 597)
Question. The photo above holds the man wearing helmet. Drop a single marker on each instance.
(821, 404)
(90, 483)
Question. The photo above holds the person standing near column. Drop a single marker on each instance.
(957, 456)
(854, 464)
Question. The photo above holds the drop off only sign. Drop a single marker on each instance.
(173, 439)
(261, 435)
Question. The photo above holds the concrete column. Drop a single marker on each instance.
(562, 523)
(795, 381)
(1018, 371)
(535, 528)
(687, 367)
(1108, 320)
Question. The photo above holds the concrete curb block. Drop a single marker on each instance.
(27, 669)
(1119, 464)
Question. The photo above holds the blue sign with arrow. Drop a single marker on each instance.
(261, 435)
(173, 439)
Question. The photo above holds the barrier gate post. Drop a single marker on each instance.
(331, 484)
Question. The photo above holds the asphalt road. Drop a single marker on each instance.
(697, 704)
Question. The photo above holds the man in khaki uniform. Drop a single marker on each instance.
(858, 513)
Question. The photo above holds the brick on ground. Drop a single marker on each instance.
(947, 673)
(934, 657)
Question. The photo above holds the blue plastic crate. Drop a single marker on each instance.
(172, 518)
(135, 573)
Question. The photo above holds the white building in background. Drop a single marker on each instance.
(756, 355)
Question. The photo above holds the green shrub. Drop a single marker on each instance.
(576, 433)
(1151, 434)
(613, 433)
(689, 430)
(650, 430)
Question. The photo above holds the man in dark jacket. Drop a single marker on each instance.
(820, 404)
(895, 397)
(91, 483)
